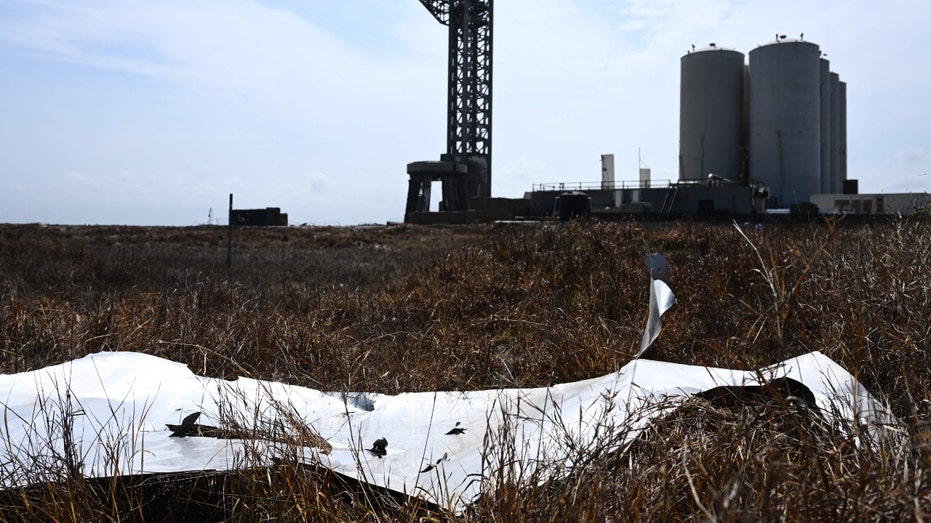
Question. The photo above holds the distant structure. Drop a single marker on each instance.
(779, 123)
(753, 138)
(712, 108)
(465, 168)
(867, 204)
(267, 217)
(768, 137)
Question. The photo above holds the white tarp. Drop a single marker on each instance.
(112, 408)
(121, 401)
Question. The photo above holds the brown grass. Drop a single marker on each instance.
(404, 308)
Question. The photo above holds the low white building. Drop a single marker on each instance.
(881, 203)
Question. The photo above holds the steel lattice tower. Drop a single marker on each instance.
(468, 110)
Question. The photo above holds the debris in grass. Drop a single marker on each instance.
(379, 448)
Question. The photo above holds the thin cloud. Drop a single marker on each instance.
(320, 105)
(237, 48)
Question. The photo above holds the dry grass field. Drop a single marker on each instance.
(406, 308)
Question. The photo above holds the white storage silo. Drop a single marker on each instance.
(785, 120)
(835, 132)
(711, 112)
(824, 78)
(842, 155)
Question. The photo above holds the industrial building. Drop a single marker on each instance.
(757, 136)
(872, 204)
(764, 133)
(765, 136)
(267, 217)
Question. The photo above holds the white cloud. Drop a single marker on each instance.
(322, 104)
(247, 51)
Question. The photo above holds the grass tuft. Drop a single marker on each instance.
(408, 308)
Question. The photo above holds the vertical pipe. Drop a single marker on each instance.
(229, 237)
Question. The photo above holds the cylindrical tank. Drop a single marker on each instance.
(824, 77)
(711, 111)
(843, 133)
(785, 120)
(835, 131)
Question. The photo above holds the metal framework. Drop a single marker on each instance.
(468, 109)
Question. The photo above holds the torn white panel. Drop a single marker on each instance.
(120, 403)
(111, 410)
(661, 299)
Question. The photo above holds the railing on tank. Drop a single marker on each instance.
(601, 186)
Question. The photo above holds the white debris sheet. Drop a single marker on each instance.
(112, 408)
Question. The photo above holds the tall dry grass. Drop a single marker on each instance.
(402, 308)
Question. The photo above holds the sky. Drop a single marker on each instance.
(152, 112)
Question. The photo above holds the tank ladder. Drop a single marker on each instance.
(670, 200)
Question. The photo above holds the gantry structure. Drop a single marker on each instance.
(465, 167)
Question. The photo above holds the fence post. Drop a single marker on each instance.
(229, 237)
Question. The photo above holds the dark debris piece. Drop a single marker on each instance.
(432, 466)
(380, 447)
(186, 427)
(189, 428)
(457, 430)
(779, 391)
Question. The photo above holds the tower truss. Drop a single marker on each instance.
(469, 86)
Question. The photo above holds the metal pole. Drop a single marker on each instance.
(229, 238)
